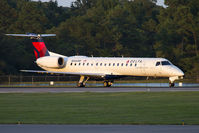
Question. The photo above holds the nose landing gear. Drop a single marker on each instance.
(171, 84)
(172, 79)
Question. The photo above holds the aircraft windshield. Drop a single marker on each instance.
(157, 63)
(165, 63)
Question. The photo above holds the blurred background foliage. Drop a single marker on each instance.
(129, 28)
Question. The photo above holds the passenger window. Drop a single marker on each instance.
(100, 64)
(87, 64)
(118, 64)
(126, 64)
(158, 63)
(113, 64)
(131, 64)
(96, 64)
(109, 64)
(83, 64)
(91, 64)
(79, 64)
(75, 64)
(105, 64)
(122, 64)
(71, 64)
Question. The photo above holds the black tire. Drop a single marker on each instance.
(107, 84)
(171, 84)
(81, 85)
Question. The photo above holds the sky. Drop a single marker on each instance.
(67, 3)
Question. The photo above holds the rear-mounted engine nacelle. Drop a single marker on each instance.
(52, 62)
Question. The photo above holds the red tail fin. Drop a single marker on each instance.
(40, 49)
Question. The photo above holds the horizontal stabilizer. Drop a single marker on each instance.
(67, 73)
(31, 35)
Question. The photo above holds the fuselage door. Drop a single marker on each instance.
(158, 69)
(143, 67)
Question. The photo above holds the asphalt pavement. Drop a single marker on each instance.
(99, 129)
(94, 89)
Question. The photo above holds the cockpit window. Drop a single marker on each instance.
(165, 63)
(157, 63)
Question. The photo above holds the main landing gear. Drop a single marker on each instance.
(108, 83)
(82, 81)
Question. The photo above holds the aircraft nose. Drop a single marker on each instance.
(178, 72)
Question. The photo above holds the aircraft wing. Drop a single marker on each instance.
(67, 73)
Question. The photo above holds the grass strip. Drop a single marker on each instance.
(100, 108)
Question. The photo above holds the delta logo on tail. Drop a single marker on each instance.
(39, 46)
(40, 49)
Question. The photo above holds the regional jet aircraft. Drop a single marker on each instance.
(105, 68)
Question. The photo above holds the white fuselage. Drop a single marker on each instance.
(118, 66)
(107, 68)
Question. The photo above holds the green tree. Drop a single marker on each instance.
(177, 34)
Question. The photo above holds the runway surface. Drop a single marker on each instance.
(96, 89)
(98, 129)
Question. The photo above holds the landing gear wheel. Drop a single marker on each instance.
(171, 84)
(107, 84)
(81, 85)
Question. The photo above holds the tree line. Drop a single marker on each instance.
(129, 28)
